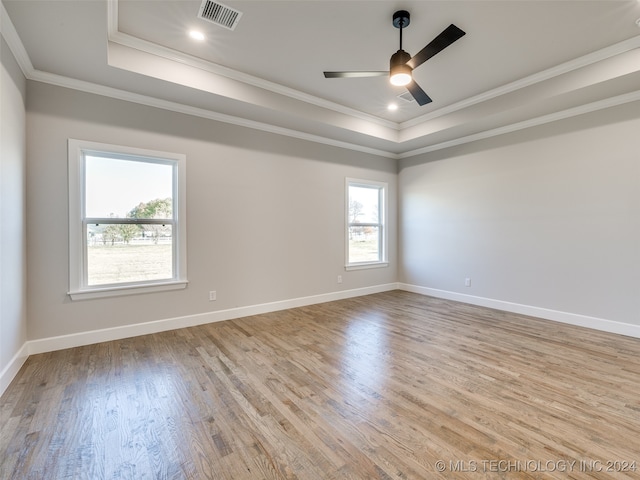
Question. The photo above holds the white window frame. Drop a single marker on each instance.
(383, 189)
(78, 287)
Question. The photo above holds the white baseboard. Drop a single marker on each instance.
(95, 336)
(610, 326)
(51, 344)
(11, 370)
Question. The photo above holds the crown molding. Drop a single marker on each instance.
(127, 40)
(548, 74)
(542, 76)
(89, 87)
(116, 36)
(8, 32)
(532, 122)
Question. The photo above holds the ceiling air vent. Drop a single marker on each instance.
(220, 14)
(406, 96)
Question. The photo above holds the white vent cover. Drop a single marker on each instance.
(406, 96)
(220, 14)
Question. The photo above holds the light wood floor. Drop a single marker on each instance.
(387, 386)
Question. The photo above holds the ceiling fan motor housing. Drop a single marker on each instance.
(399, 58)
(400, 71)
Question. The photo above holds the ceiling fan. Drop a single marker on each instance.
(402, 64)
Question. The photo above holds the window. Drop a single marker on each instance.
(366, 234)
(127, 231)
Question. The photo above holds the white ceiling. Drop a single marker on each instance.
(520, 63)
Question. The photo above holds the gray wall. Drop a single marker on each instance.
(547, 217)
(265, 212)
(13, 316)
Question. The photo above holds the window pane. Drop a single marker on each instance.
(364, 244)
(121, 253)
(364, 204)
(116, 188)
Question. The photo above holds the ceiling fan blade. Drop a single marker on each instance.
(355, 74)
(442, 41)
(420, 96)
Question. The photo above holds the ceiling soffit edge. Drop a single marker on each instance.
(12, 38)
(119, 37)
(116, 36)
(17, 48)
(548, 74)
(119, 94)
(532, 122)
(9, 33)
(282, 111)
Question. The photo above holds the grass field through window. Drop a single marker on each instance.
(137, 262)
(122, 263)
(364, 249)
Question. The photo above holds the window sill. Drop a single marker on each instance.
(363, 266)
(103, 292)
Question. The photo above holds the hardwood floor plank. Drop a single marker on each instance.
(388, 386)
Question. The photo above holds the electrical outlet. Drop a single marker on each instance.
(213, 295)
(467, 282)
(339, 278)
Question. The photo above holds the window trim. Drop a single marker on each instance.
(78, 288)
(383, 189)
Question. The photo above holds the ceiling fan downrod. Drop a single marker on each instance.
(401, 19)
(400, 72)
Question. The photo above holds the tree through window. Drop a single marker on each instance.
(127, 229)
(366, 202)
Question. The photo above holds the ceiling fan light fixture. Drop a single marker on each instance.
(400, 75)
(399, 71)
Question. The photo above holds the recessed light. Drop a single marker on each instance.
(638, 22)
(392, 106)
(196, 35)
